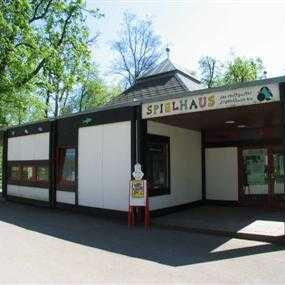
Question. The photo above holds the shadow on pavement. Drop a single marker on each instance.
(162, 246)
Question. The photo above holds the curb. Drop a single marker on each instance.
(247, 236)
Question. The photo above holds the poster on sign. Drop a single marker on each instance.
(138, 193)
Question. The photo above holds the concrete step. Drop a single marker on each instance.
(239, 235)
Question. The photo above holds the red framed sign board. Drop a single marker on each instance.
(138, 197)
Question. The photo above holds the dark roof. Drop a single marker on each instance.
(164, 79)
(167, 66)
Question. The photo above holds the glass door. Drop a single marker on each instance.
(255, 173)
(278, 177)
(262, 176)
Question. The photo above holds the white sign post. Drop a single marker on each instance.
(138, 187)
(138, 174)
(138, 196)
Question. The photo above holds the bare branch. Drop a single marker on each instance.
(138, 48)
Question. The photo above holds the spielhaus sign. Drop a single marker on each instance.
(212, 101)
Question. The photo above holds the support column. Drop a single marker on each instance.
(282, 99)
(4, 164)
(133, 139)
(141, 137)
(203, 133)
(52, 164)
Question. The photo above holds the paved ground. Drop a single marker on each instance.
(242, 220)
(40, 245)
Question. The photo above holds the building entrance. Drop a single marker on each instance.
(262, 176)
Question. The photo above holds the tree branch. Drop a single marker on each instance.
(66, 22)
(43, 14)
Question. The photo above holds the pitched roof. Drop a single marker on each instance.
(164, 79)
(167, 66)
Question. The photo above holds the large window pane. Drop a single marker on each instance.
(255, 171)
(158, 165)
(66, 173)
(15, 173)
(42, 173)
(278, 173)
(34, 175)
(28, 173)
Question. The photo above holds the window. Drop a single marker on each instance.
(42, 173)
(66, 167)
(158, 165)
(15, 173)
(29, 173)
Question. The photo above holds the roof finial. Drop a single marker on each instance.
(167, 51)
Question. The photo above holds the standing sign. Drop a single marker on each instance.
(138, 193)
(138, 196)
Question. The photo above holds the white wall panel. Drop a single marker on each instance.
(185, 166)
(104, 163)
(116, 165)
(35, 193)
(222, 173)
(90, 185)
(65, 197)
(30, 147)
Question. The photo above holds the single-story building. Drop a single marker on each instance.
(196, 145)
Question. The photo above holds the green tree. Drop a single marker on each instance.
(238, 69)
(44, 44)
(242, 69)
(92, 92)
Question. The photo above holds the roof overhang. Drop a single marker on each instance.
(258, 94)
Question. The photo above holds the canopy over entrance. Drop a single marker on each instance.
(252, 106)
(245, 117)
(242, 133)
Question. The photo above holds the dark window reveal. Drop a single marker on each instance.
(42, 173)
(158, 165)
(66, 168)
(28, 173)
(15, 173)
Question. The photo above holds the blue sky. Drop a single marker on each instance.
(197, 28)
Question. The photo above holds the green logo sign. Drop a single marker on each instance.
(264, 94)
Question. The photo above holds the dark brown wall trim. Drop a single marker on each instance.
(68, 127)
(67, 188)
(222, 203)
(203, 165)
(44, 185)
(76, 167)
(27, 201)
(133, 140)
(4, 164)
(28, 162)
(243, 143)
(31, 129)
(98, 212)
(282, 98)
(173, 209)
(52, 164)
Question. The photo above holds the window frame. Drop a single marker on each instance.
(158, 139)
(60, 184)
(34, 182)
